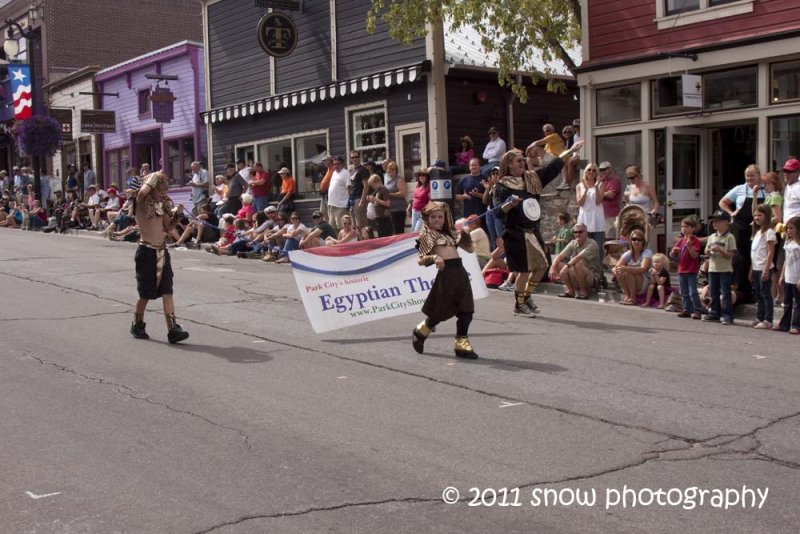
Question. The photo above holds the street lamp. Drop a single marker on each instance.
(11, 49)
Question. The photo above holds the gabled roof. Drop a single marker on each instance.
(137, 62)
(463, 48)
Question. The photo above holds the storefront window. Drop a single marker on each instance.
(667, 96)
(784, 140)
(785, 82)
(620, 150)
(368, 133)
(180, 154)
(730, 89)
(118, 162)
(302, 154)
(113, 168)
(619, 104)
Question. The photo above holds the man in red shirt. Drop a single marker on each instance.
(259, 184)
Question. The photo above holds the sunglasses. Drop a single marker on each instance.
(295, 218)
(639, 239)
(591, 170)
(579, 232)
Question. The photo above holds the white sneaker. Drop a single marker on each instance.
(763, 325)
(505, 287)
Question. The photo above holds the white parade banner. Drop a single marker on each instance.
(353, 283)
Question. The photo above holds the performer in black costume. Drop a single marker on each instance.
(525, 248)
(451, 294)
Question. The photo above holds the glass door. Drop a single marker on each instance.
(687, 171)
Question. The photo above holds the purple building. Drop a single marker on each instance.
(161, 95)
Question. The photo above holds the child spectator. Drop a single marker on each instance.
(790, 279)
(721, 247)
(762, 255)
(659, 281)
(687, 252)
(380, 221)
(564, 233)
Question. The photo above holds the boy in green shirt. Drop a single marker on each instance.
(720, 247)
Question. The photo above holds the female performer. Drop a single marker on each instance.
(451, 294)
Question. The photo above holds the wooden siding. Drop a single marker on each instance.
(359, 52)
(239, 67)
(70, 97)
(184, 123)
(319, 116)
(466, 117)
(626, 29)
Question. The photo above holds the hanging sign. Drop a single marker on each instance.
(163, 104)
(277, 34)
(64, 117)
(692, 90)
(98, 121)
(21, 88)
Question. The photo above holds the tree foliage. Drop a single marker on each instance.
(512, 29)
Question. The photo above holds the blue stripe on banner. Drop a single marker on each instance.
(361, 270)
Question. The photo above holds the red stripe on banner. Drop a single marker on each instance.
(357, 247)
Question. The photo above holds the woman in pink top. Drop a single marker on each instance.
(246, 212)
(422, 195)
(463, 156)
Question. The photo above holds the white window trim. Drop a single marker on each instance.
(705, 13)
(348, 110)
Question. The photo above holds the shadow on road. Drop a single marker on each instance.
(503, 365)
(232, 354)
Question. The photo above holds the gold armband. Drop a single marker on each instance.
(430, 259)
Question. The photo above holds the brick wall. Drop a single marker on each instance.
(88, 32)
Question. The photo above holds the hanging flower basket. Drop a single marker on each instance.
(39, 136)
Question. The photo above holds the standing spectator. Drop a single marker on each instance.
(338, 196)
(721, 246)
(762, 255)
(422, 195)
(396, 185)
(571, 168)
(470, 190)
(493, 222)
(131, 178)
(641, 193)
(790, 279)
(358, 190)
(3, 180)
(589, 196)
(494, 150)
(791, 194)
(576, 127)
(259, 184)
(738, 203)
(687, 252)
(772, 185)
(72, 180)
(325, 185)
(199, 184)
(379, 205)
(464, 155)
(288, 191)
(236, 188)
(612, 194)
(243, 169)
(89, 177)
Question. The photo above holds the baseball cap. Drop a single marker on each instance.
(91, 186)
(791, 165)
(338, 159)
(604, 165)
(316, 214)
(284, 170)
(112, 191)
(270, 209)
(492, 130)
(720, 215)
(576, 123)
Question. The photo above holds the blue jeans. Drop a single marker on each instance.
(291, 243)
(259, 203)
(762, 291)
(791, 307)
(416, 220)
(689, 296)
(720, 289)
(495, 226)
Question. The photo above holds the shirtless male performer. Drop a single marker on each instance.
(154, 217)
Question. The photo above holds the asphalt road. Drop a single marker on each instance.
(256, 424)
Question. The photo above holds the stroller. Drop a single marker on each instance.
(630, 218)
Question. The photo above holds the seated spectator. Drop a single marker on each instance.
(205, 229)
(274, 239)
(347, 234)
(34, 218)
(660, 286)
(582, 269)
(119, 220)
(246, 213)
(633, 269)
(321, 231)
(14, 217)
(288, 191)
(495, 273)
(292, 234)
(239, 233)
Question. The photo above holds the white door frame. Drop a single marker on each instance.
(687, 198)
(406, 129)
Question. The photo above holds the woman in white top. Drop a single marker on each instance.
(590, 199)
(790, 279)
